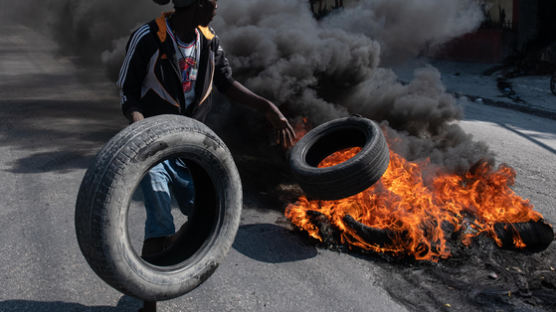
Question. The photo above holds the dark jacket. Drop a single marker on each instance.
(150, 81)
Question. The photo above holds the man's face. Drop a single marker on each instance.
(207, 11)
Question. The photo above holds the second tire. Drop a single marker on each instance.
(349, 177)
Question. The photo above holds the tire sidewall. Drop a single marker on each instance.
(127, 272)
(349, 177)
(302, 169)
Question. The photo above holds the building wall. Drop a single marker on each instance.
(321, 7)
(497, 9)
(547, 21)
(527, 23)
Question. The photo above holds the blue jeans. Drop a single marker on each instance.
(168, 178)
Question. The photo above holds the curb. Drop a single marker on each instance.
(518, 107)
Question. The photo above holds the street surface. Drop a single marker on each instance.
(55, 116)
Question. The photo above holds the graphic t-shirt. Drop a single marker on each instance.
(187, 57)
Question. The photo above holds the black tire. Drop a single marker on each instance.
(350, 177)
(105, 193)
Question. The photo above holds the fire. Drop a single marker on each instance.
(420, 217)
(301, 127)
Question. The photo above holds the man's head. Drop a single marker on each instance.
(205, 9)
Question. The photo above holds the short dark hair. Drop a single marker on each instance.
(178, 3)
(184, 3)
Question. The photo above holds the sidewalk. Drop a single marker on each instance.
(529, 94)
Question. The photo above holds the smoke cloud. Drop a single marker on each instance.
(93, 31)
(318, 69)
(330, 68)
(404, 28)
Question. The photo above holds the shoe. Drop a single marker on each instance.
(155, 245)
(148, 306)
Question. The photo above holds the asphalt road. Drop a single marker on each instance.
(55, 116)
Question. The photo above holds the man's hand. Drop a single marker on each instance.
(285, 135)
(135, 116)
(284, 131)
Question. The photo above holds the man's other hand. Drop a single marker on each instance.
(136, 116)
(284, 133)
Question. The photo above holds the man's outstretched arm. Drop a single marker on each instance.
(239, 93)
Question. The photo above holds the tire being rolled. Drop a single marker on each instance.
(349, 177)
(106, 191)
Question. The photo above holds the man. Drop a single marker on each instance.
(170, 67)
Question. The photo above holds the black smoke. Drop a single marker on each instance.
(318, 69)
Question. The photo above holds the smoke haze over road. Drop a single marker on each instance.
(319, 69)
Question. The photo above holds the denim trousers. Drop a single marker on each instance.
(170, 179)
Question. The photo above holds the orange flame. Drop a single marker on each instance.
(416, 213)
(301, 127)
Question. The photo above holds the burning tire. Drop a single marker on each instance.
(105, 193)
(349, 177)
